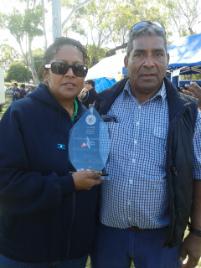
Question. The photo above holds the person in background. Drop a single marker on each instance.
(47, 209)
(194, 90)
(16, 92)
(88, 95)
(154, 165)
(22, 91)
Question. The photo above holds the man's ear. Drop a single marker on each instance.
(126, 61)
(168, 58)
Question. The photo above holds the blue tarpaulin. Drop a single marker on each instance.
(103, 83)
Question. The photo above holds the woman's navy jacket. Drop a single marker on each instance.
(42, 217)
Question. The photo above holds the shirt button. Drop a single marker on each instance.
(138, 123)
(133, 160)
(139, 107)
(131, 182)
(129, 203)
(129, 218)
(135, 141)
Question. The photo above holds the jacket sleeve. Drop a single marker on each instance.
(197, 148)
(22, 190)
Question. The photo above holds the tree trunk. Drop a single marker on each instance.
(43, 22)
(31, 64)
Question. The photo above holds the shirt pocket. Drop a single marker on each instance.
(158, 144)
(160, 132)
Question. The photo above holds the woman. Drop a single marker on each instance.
(47, 210)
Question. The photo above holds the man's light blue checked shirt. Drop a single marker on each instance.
(136, 194)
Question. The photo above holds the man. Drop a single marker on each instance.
(193, 89)
(88, 95)
(154, 166)
(22, 91)
(16, 92)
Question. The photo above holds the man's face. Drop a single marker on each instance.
(147, 64)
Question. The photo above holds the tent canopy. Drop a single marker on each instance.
(110, 67)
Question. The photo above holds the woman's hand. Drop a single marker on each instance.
(86, 179)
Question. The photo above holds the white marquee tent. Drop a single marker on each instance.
(110, 67)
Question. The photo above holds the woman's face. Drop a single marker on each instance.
(65, 87)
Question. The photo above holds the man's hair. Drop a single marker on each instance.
(149, 29)
(91, 82)
(58, 44)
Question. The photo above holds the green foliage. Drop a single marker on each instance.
(27, 23)
(95, 54)
(24, 25)
(7, 55)
(18, 72)
(32, 22)
(101, 23)
(185, 15)
(38, 62)
(14, 23)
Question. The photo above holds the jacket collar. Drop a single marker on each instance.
(42, 94)
(176, 104)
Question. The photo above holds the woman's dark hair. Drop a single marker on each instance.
(60, 42)
(91, 82)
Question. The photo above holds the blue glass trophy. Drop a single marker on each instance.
(89, 142)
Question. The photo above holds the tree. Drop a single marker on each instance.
(75, 6)
(7, 55)
(38, 55)
(25, 26)
(43, 23)
(18, 72)
(185, 16)
(95, 54)
(106, 23)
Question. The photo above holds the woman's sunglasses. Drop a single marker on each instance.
(60, 67)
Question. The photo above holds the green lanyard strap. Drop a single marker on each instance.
(75, 110)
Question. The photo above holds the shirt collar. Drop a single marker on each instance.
(160, 94)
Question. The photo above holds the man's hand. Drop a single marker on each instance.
(194, 90)
(86, 179)
(191, 248)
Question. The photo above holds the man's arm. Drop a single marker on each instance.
(191, 247)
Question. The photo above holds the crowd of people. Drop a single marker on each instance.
(17, 92)
(52, 215)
